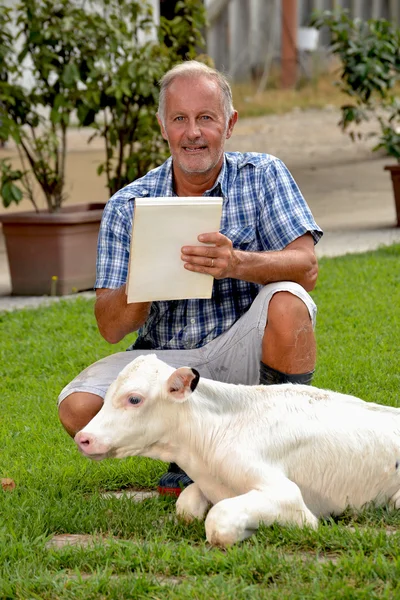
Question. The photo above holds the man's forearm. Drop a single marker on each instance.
(266, 267)
(115, 318)
(297, 262)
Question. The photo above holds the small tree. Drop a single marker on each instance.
(369, 52)
(57, 54)
(99, 59)
(121, 96)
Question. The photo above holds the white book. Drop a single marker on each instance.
(161, 226)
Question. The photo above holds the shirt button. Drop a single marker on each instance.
(193, 320)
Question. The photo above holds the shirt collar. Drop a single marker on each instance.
(168, 179)
(221, 183)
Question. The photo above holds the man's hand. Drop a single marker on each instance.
(218, 258)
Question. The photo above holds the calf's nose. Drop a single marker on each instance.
(89, 445)
(84, 441)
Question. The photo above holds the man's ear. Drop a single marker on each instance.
(163, 132)
(182, 383)
(231, 124)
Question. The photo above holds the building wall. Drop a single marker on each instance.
(245, 35)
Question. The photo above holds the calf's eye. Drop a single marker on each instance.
(134, 400)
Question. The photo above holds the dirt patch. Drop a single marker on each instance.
(302, 139)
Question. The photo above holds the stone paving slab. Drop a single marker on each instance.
(135, 495)
(354, 241)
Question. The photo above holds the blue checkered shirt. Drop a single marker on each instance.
(263, 210)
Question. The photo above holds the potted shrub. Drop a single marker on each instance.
(51, 251)
(369, 52)
(101, 62)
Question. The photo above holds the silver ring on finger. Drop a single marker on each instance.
(212, 263)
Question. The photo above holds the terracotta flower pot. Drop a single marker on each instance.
(395, 173)
(52, 253)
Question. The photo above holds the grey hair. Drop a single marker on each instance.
(192, 68)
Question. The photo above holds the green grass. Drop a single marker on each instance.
(141, 550)
(320, 91)
(313, 94)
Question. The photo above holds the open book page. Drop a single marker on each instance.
(161, 226)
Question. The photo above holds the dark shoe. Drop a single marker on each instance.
(174, 481)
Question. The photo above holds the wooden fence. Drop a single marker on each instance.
(245, 36)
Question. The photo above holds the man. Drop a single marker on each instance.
(258, 325)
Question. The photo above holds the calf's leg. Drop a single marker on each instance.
(192, 504)
(395, 500)
(235, 519)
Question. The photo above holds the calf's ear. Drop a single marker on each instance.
(182, 383)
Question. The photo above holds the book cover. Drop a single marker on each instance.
(161, 226)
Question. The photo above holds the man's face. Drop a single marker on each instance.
(195, 125)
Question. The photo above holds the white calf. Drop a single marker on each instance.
(285, 453)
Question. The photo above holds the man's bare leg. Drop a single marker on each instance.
(288, 346)
(77, 409)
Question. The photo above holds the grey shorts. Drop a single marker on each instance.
(233, 357)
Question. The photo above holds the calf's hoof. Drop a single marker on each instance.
(224, 529)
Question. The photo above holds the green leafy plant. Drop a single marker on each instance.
(121, 98)
(100, 60)
(369, 52)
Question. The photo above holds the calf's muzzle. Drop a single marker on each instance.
(90, 446)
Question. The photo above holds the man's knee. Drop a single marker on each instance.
(288, 315)
(77, 409)
(288, 344)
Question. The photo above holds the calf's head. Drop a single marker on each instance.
(140, 410)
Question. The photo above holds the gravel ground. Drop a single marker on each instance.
(344, 183)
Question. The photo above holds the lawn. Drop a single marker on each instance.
(140, 550)
(317, 92)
